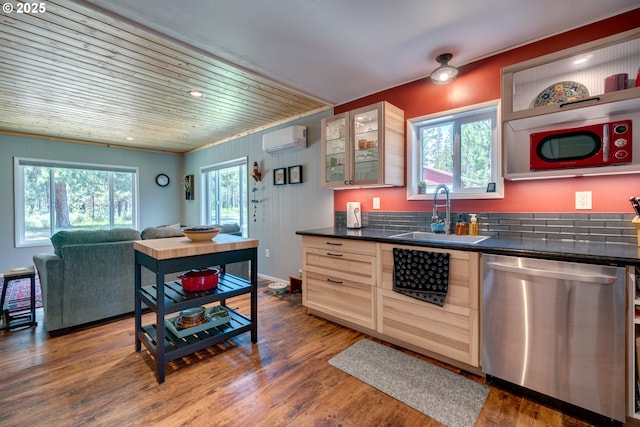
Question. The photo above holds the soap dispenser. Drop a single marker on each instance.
(461, 227)
(473, 225)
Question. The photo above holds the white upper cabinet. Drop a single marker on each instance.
(569, 85)
(571, 88)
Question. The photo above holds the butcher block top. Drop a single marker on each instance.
(177, 247)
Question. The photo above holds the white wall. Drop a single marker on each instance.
(282, 209)
(157, 205)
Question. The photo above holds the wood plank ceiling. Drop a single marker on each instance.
(77, 73)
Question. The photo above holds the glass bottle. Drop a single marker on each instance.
(461, 227)
(473, 225)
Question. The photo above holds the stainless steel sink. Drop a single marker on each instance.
(425, 236)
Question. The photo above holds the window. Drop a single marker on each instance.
(225, 193)
(54, 196)
(458, 148)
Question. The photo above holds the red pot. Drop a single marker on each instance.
(200, 280)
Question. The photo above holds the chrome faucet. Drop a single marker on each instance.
(447, 205)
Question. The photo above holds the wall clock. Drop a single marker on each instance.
(162, 180)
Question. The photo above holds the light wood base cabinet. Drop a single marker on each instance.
(344, 299)
(351, 282)
(633, 349)
(339, 279)
(452, 330)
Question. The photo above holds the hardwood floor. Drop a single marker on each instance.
(94, 377)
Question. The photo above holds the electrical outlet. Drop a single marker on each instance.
(376, 203)
(583, 200)
(266, 253)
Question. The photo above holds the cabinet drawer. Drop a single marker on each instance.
(340, 265)
(341, 245)
(464, 274)
(450, 331)
(345, 299)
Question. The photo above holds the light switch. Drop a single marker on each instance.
(376, 203)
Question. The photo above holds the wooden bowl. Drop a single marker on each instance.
(201, 234)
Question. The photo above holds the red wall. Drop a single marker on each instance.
(479, 82)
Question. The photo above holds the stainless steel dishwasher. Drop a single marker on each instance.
(557, 328)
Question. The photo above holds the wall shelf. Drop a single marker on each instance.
(521, 84)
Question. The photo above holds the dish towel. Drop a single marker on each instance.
(421, 275)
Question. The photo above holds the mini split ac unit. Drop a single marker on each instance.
(290, 138)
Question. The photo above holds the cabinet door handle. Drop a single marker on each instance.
(334, 244)
(600, 279)
(333, 254)
(337, 282)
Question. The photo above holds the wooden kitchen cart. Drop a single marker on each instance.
(171, 255)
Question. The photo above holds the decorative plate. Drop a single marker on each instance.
(561, 92)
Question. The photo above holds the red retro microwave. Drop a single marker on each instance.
(603, 144)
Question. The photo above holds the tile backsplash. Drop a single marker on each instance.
(597, 227)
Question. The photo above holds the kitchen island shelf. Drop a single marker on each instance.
(177, 299)
(175, 347)
(171, 255)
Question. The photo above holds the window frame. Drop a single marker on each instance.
(19, 188)
(414, 152)
(204, 189)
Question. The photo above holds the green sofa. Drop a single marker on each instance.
(90, 276)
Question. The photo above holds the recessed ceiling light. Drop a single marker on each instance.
(129, 138)
(196, 94)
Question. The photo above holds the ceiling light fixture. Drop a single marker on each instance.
(583, 59)
(445, 73)
(196, 94)
(129, 138)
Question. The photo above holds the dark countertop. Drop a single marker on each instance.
(619, 254)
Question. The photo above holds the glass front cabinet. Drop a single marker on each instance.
(364, 147)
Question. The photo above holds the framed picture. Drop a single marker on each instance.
(295, 174)
(188, 187)
(491, 187)
(280, 176)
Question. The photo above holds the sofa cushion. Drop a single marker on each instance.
(79, 237)
(176, 225)
(161, 232)
(229, 228)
